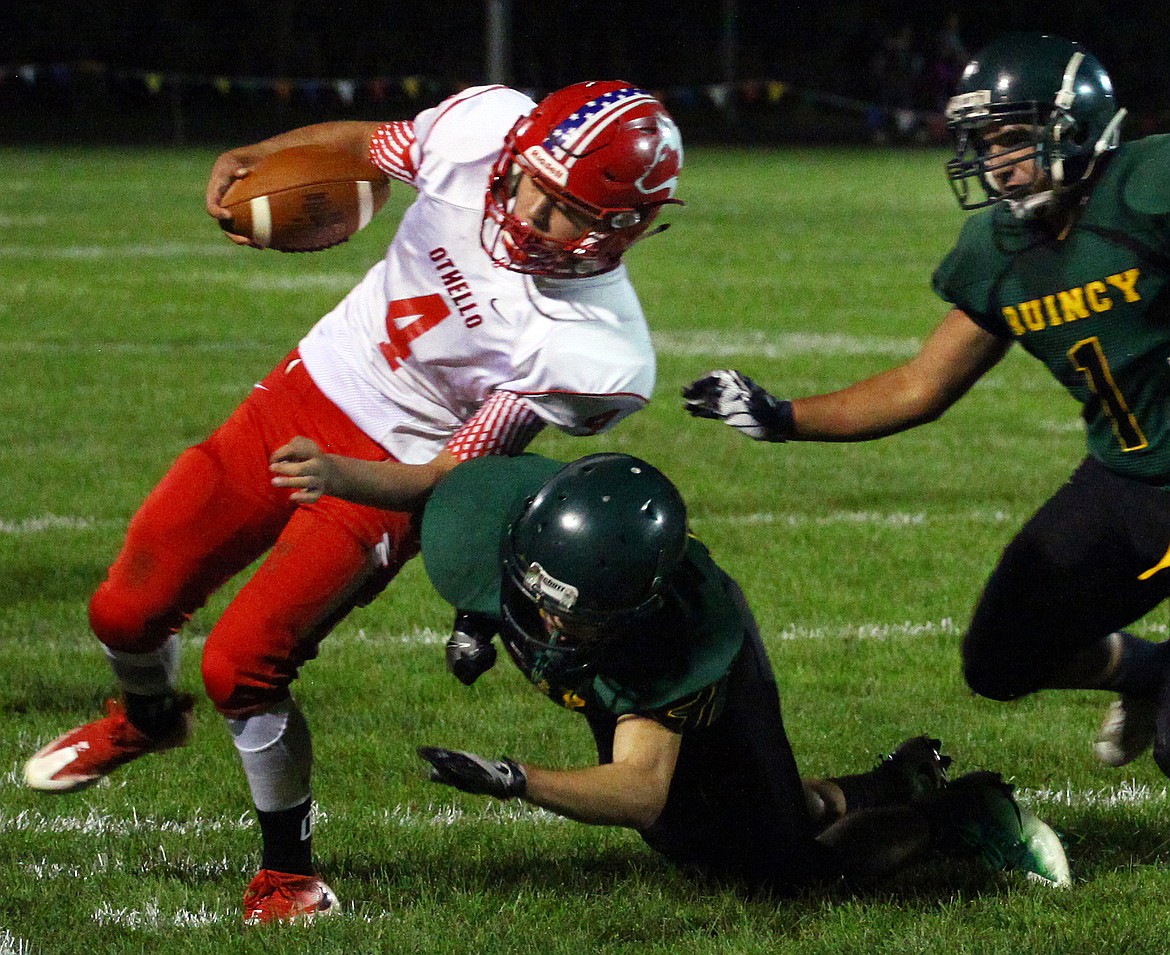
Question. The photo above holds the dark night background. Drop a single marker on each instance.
(845, 70)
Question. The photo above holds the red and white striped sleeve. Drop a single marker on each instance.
(504, 424)
(392, 150)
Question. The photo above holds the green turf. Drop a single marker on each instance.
(129, 328)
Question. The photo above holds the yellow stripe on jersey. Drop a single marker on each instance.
(1160, 565)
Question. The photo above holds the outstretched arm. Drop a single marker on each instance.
(631, 791)
(302, 466)
(956, 355)
(504, 424)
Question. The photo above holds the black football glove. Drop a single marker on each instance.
(734, 398)
(502, 778)
(469, 649)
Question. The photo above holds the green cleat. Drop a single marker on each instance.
(1043, 859)
(986, 820)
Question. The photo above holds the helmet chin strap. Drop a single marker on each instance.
(1038, 204)
(1030, 207)
(1110, 135)
(1064, 99)
(1067, 93)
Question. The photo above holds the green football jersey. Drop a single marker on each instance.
(1094, 306)
(673, 669)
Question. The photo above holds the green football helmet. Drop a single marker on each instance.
(1059, 95)
(588, 559)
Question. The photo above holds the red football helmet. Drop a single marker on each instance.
(604, 148)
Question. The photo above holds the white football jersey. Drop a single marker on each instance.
(433, 329)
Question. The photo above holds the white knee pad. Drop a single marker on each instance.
(277, 752)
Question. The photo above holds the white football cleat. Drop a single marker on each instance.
(1127, 730)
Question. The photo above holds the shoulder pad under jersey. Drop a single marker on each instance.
(1147, 187)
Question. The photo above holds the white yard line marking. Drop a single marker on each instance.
(428, 637)
(888, 519)
(416, 638)
(766, 344)
(8, 221)
(45, 871)
(430, 816)
(871, 631)
(154, 917)
(81, 644)
(101, 823)
(63, 522)
(161, 250)
(46, 522)
(895, 519)
(1126, 793)
(11, 945)
(946, 626)
(164, 348)
(340, 282)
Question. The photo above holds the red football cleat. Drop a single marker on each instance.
(84, 755)
(285, 897)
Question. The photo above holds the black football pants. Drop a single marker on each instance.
(1070, 577)
(736, 807)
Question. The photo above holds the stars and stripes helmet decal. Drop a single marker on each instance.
(607, 149)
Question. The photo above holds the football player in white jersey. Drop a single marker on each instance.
(501, 306)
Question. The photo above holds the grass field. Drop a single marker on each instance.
(129, 328)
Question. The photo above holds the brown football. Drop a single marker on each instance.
(305, 198)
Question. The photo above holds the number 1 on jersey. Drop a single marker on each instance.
(1089, 359)
(426, 310)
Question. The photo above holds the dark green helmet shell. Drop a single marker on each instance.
(600, 538)
(596, 547)
(1052, 84)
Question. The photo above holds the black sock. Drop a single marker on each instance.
(288, 842)
(156, 716)
(1162, 731)
(878, 787)
(1143, 666)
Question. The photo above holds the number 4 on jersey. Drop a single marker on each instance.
(406, 319)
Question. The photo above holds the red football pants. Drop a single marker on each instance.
(216, 511)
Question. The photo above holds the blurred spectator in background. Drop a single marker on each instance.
(948, 56)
